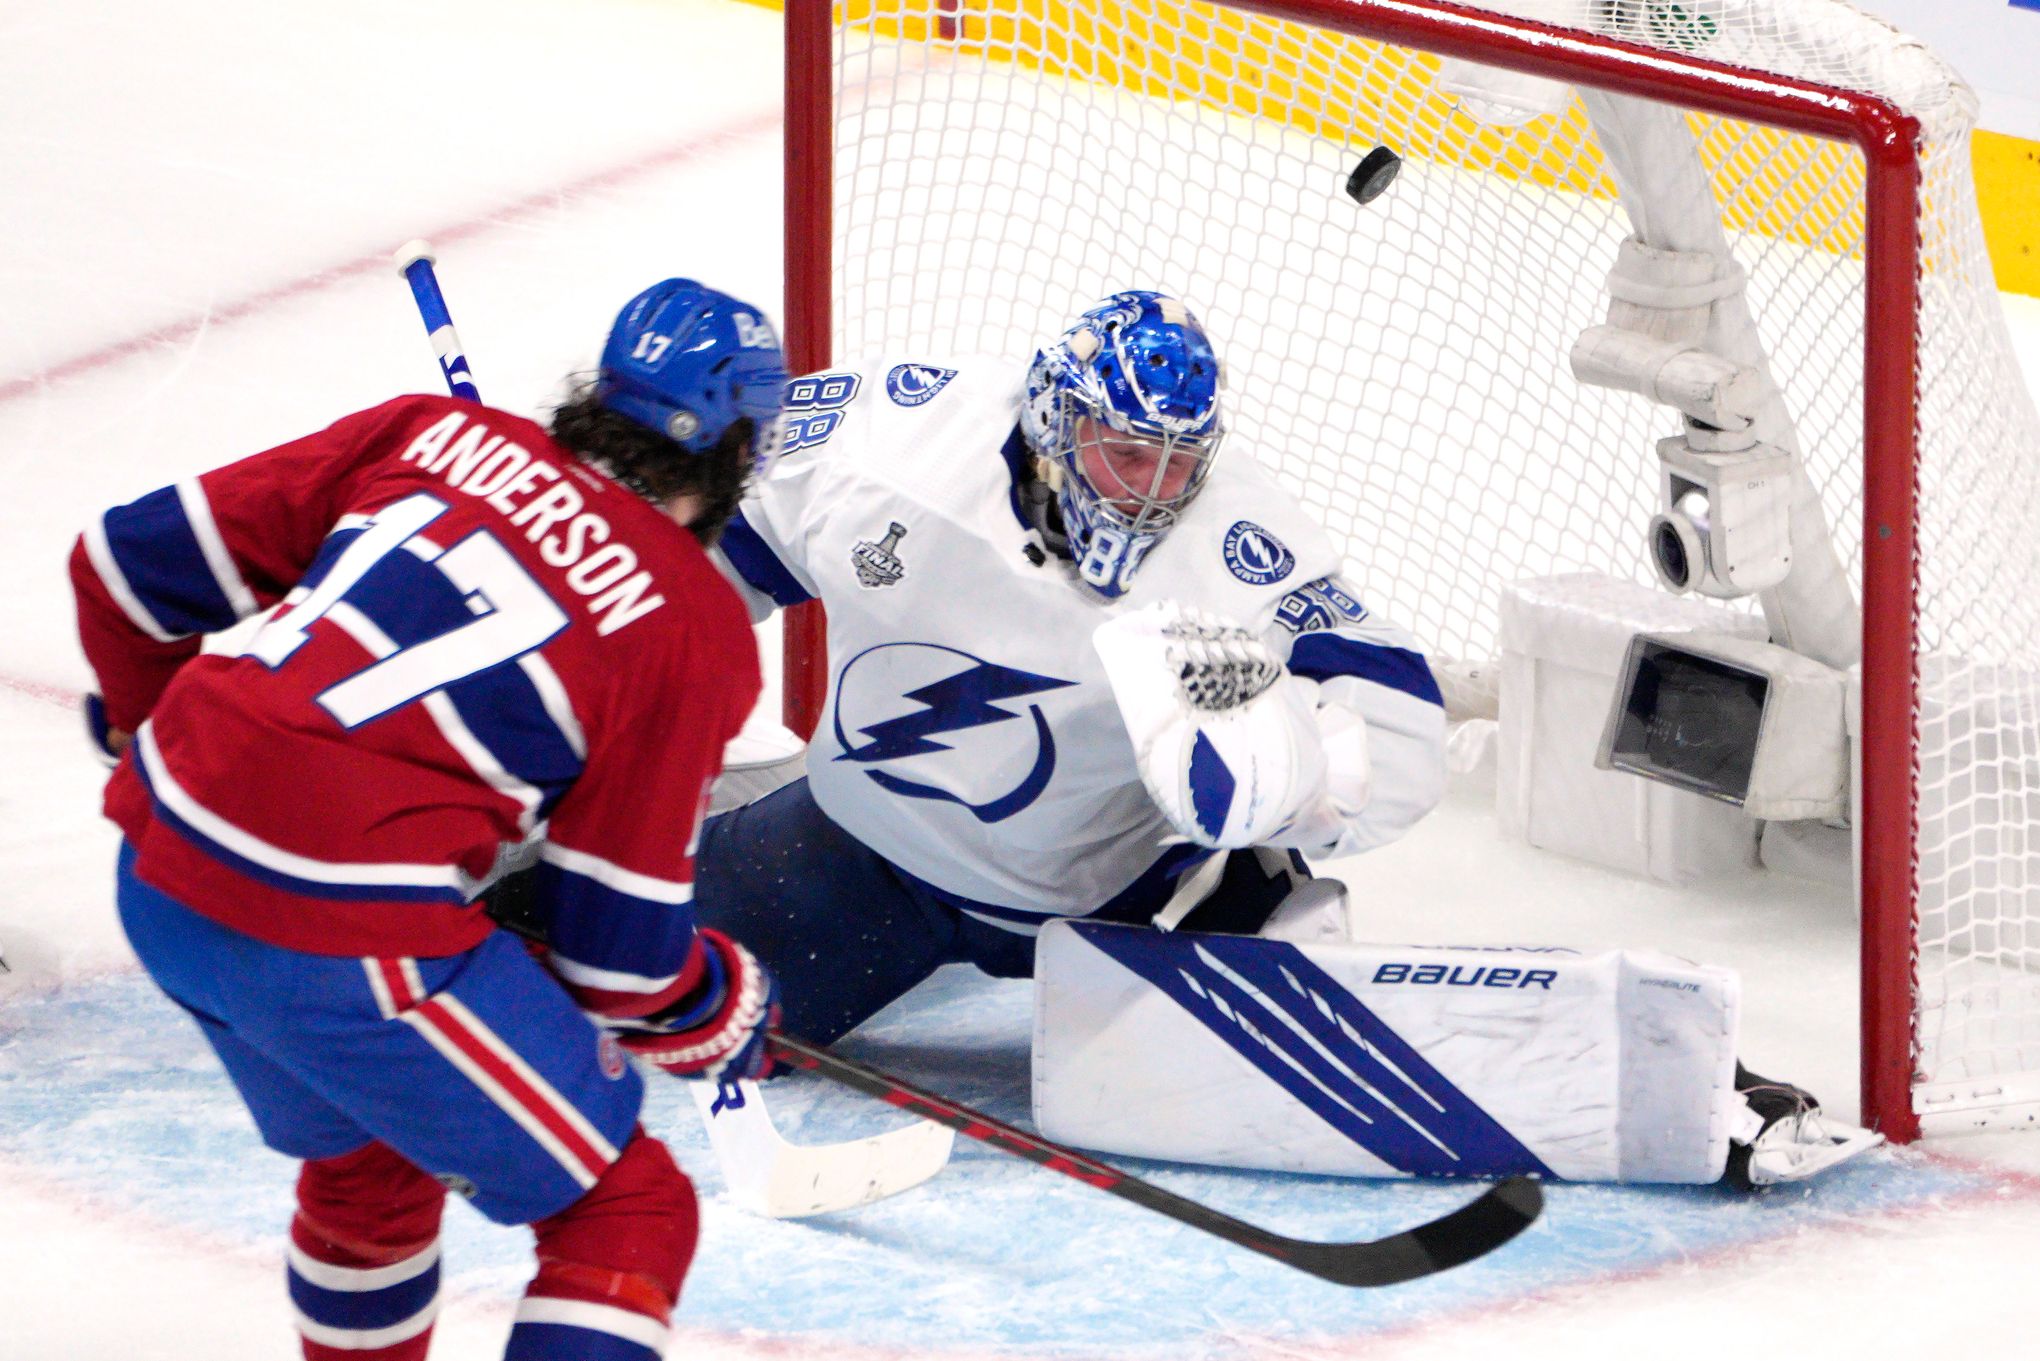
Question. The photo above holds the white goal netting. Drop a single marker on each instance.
(999, 164)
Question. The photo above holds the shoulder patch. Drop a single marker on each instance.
(913, 384)
(1256, 556)
(1318, 605)
(814, 408)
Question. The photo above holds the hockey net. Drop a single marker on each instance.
(989, 167)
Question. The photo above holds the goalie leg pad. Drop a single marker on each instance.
(1366, 1060)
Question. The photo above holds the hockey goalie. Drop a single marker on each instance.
(1086, 669)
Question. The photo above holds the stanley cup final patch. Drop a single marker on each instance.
(876, 563)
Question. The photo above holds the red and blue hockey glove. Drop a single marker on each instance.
(717, 1031)
(108, 742)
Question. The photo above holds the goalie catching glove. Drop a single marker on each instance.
(718, 1030)
(1228, 742)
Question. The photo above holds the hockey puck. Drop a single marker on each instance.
(1371, 178)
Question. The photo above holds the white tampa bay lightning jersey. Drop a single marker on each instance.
(970, 735)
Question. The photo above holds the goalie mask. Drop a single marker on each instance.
(1123, 409)
(689, 362)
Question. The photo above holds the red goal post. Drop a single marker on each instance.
(875, 88)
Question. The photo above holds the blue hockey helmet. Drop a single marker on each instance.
(1125, 408)
(688, 361)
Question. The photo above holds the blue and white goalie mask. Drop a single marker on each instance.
(1124, 409)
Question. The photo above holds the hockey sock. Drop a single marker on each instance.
(364, 1257)
(610, 1264)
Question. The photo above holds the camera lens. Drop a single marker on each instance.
(1669, 553)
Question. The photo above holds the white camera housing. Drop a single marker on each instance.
(1726, 527)
(1734, 719)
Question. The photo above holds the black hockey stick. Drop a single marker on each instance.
(1473, 1230)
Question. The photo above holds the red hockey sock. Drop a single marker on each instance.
(364, 1257)
(610, 1264)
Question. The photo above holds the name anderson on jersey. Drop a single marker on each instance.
(505, 475)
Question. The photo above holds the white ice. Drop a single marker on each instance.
(200, 199)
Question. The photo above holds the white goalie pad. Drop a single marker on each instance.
(1371, 1060)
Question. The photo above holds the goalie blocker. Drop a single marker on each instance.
(1369, 1060)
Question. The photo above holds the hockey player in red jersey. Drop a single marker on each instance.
(491, 640)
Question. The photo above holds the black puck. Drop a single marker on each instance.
(1371, 178)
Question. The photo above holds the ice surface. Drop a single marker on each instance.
(200, 201)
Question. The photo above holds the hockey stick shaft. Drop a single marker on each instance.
(414, 262)
(1473, 1230)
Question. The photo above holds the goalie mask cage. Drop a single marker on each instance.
(963, 176)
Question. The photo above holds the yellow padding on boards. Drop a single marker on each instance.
(2008, 193)
(1321, 83)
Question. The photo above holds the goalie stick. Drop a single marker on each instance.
(763, 1171)
(1473, 1230)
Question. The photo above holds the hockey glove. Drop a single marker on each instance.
(108, 742)
(1226, 739)
(717, 1031)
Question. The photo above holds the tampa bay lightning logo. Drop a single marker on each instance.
(898, 697)
(1255, 556)
(913, 384)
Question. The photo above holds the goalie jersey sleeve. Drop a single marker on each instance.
(477, 639)
(1384, 777)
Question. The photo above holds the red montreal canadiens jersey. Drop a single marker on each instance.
(477, 638)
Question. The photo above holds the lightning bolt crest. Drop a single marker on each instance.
(968, 699)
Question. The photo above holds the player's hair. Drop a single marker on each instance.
(652, 465)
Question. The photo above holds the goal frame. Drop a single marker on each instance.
(1889, 141)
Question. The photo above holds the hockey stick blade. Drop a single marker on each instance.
(770, 1176)
(1473, 1230)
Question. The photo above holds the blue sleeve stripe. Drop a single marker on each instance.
(155, 547)
(107, 567)
(758, 564)
(1322, 656)
(600, 927)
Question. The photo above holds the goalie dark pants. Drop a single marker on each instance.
(847, 932)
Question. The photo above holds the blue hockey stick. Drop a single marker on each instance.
(414, 262)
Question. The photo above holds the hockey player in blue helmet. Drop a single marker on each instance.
(687, 366)
(1123, 414)
(486, 641)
